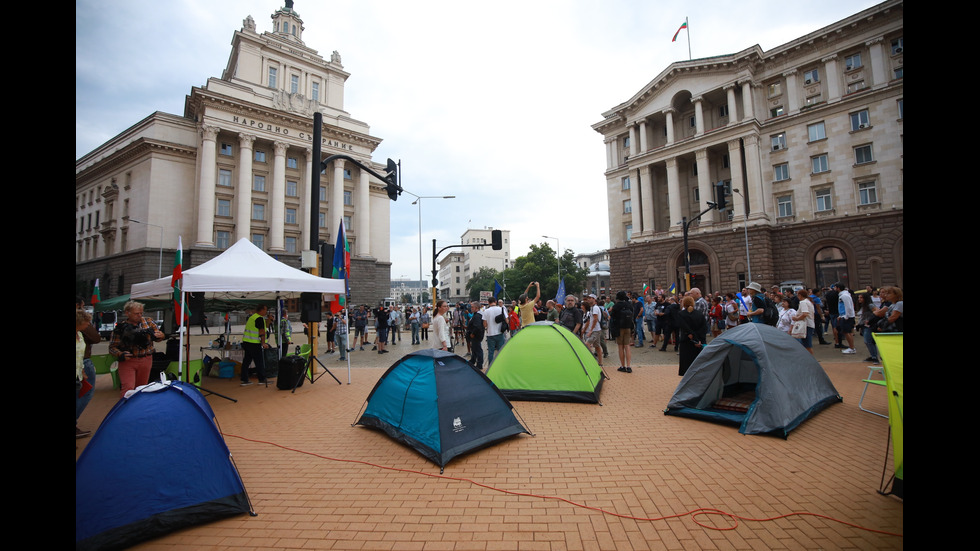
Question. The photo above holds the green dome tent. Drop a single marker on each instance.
(546, 362)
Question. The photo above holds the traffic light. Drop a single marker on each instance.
(394, 190)
(720, 196)
(496, 240)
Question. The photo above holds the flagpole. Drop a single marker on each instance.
(686, 24)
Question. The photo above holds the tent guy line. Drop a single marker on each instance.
(694, 513)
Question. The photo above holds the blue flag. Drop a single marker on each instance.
(496, 288)
(560, 297)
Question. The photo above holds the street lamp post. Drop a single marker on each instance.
(160, 262)
(557, 255)
(745, 220)
(418, 201)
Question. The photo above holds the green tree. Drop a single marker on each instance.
(482, 280)
(541, 265)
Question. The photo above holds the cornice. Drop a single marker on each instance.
(133, 151)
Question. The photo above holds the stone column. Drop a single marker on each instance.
(635, 207)
(735, 164)
(792, 92)
(669, 114)
(760, 192)
(337, 198)
(633, 144)
(277, 202)
(305, 200)
(643, 136)
(243, 218)
(748, 109)
(704, 186)
(362, 214)
(879, 63)
(208, 170)
(674, 195)
(732, 105)
(646, 198)
(698, 115)
(834, 88)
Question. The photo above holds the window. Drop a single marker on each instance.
(316, 91)
(627, 206)
(855, 86)
(258, 183)
(901, 108)
(812, 76)
(629, 232)
(222, 239)
(224, 177)
(824, 201)
(347, 174)
(779, 141)
(291, 162)
(348, 198)
(694, 122)
(290, 244)
(224, 207)
(900, 72)
(785, 205)
(898, 45)
(258, 211)
(626, 142)
(867, 193)
(258, 240)
(272, 77)
(816, 131)
(863, 154)
(814, 99)
(294, 84)
(775, 89)
(626, 183)
(323, 194)
(776, 111)
(259, 156)
(226, 149)
(322, 220)
(724, 160)
(819, 164)
(723, 111)
(852, 62)
(290, 216)
(292, 189)
(860, 120)
(781, 172)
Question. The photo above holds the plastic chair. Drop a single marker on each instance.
(872, 381)
(103, 364)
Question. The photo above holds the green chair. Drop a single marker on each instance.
(103, 364)
(194, 369)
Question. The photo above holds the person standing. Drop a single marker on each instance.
(381, 317)
(474, 334)
(493, 318)
(638, 318)
(592, 328)
(621, 319)
(440, 327)
(693, 333)
(132, 343)
(845, 318)
(340, 334)
(425, 319)
(89, 336)
(360, 325)
(395, 324)
(414, 320)
(527, 304)
(254, 342)
(571, 315)
(755, 304)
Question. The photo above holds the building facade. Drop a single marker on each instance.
(807, 142)
(238, 164)
(483, 255)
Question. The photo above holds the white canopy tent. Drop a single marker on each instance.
(243, 271)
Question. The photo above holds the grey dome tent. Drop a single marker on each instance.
(757, 377)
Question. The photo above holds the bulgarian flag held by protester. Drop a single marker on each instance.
(341, 267)
(96, 295)
(683, 26)
(177, 279)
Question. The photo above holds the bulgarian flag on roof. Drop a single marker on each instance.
(682, 27)
(96, 294)
(341, 267)
(177, 279)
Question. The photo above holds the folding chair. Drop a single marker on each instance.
(872, 381)
(103, 364)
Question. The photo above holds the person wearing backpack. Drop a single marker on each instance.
(757, 308)
(621, 319)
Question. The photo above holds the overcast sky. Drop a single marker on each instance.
(492, 102)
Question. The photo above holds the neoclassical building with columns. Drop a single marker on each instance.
(807, 139)
(238, 164)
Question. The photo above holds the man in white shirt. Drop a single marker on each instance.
(845, 317)
(591, 327)
(495, 337)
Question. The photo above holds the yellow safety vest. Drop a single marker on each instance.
(251, 331)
